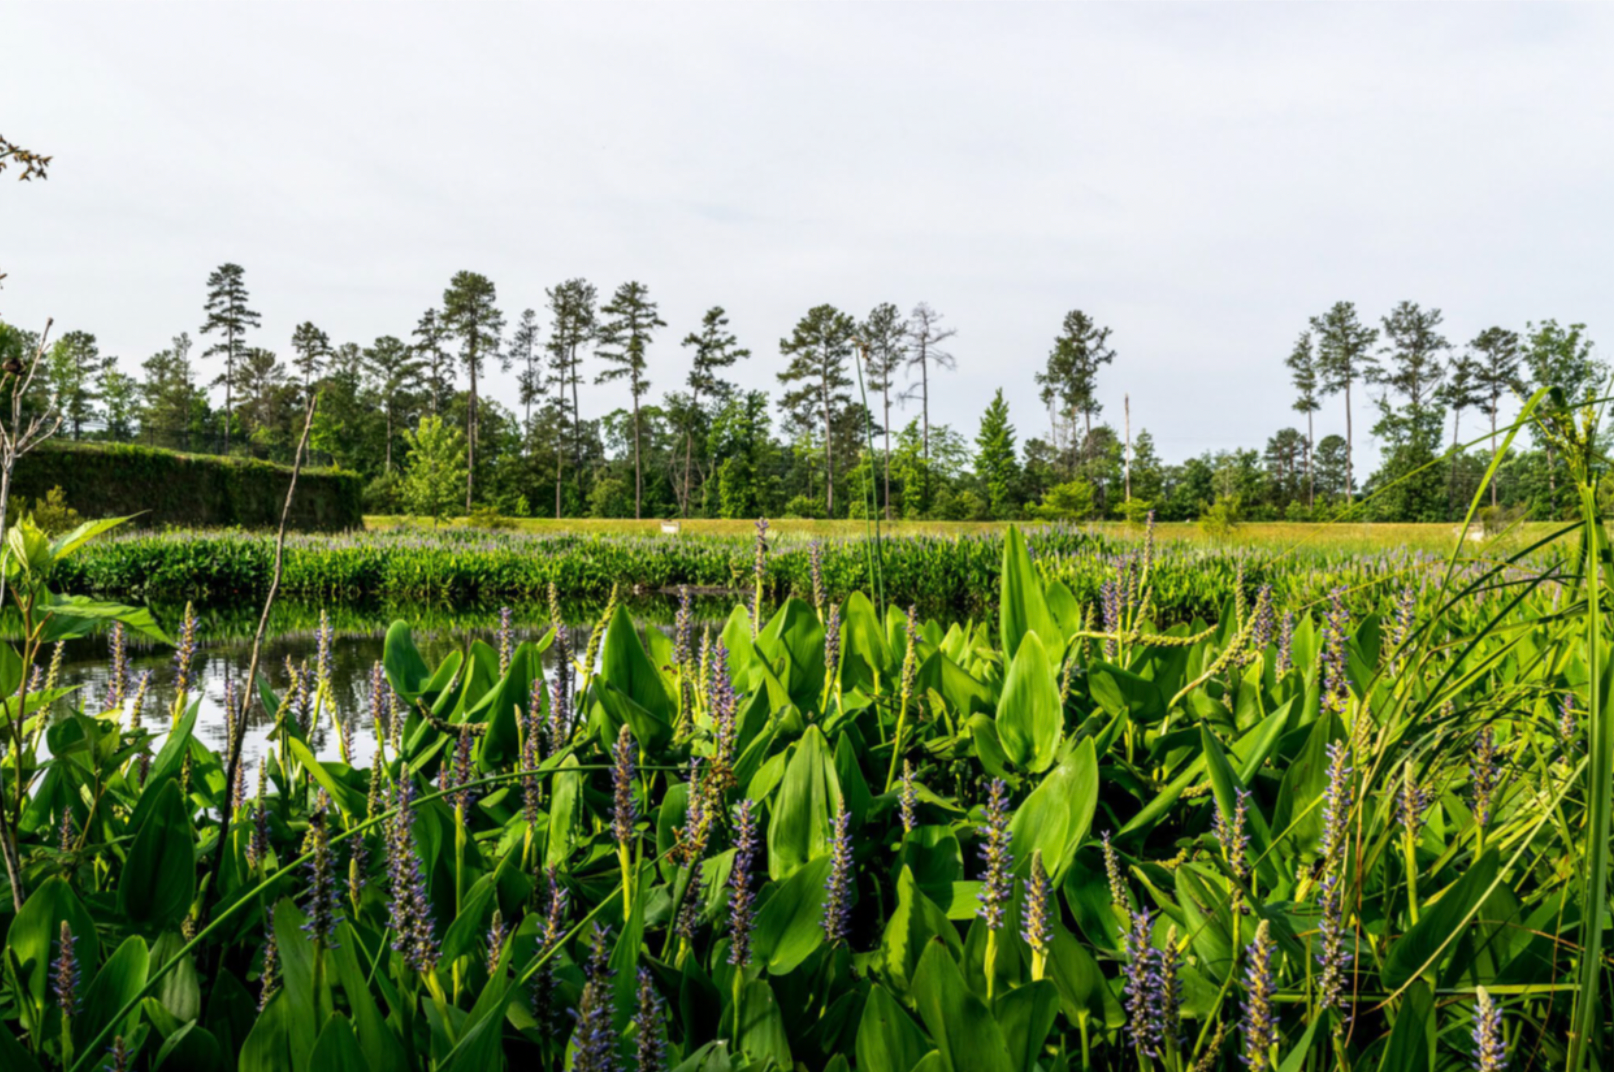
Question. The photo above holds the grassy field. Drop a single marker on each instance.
(1341, 537)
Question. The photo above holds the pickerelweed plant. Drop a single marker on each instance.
(1073, 836)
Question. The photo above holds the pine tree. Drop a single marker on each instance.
(1284, 456)
(524, 352)
(1305, 375)
(229, 317)
(259, 377)
(624, 343)
(995, 463)
(168, 395)
(1344, 356)
(74, 365)
(885, 336)
(1460, 391)
(311, 350)
(1069, 382)
(471, 317)
(925, 336)
(437, 365)
(1414, 349)
(818, 350)
(120, 394)
(571, 327)
(1560, 357)
(394, 372)
(1494, 356)
(714, 348)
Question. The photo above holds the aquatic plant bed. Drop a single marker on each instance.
(954, 574)
(841, 836)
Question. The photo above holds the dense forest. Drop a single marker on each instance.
(848, 431)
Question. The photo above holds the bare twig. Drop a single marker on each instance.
(237, 723)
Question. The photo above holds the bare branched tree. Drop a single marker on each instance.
(925, 336)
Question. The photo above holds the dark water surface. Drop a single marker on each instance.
(225, 650)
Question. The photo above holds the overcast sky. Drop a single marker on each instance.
(1201, 179)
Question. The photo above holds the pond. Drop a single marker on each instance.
(225, 652)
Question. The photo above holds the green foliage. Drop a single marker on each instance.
(803, 506)
(431, 485)
(53, 515)
(995, 464)
(161, 487)
(1070, 501)
(1222, 517)
(1195, 802)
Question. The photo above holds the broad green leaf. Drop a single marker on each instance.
(119, 982)
(193, 1048)
(624, 665)
(887, 1038)
(914, 922)
(965, 1032)
(760, 1026)
(159, 882)
(382, 1049)
(67, 543)
(1021, 606)
(790, 926)
(268, 1045)
(337, 1049)
(568, 794)
(13, 1057)
(802, 820)
(406, 670)
(1057, 815)
(35, 935)
(76, 616)
(1026, 1014)
(1120, 691)
(1029, 714)
(1412, 1033)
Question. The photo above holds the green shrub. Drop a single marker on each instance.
(1072, 501)
(164, 487)
(53, 515)
(1221, 517)
(806, 507)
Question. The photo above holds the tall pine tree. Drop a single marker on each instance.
(1494, 355)
(395, 372)
(624, 344)
(229, 318)
(437, 364)
(311, 349)
(818, 350)
(1069, 381)
(1344, 356)
(471, 316)
(714, 349)
(524, 352)
(1305, 375)
(571, 328)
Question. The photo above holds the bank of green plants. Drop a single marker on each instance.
(834, 834)
(942, 574)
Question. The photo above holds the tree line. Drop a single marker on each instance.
(412, 413)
